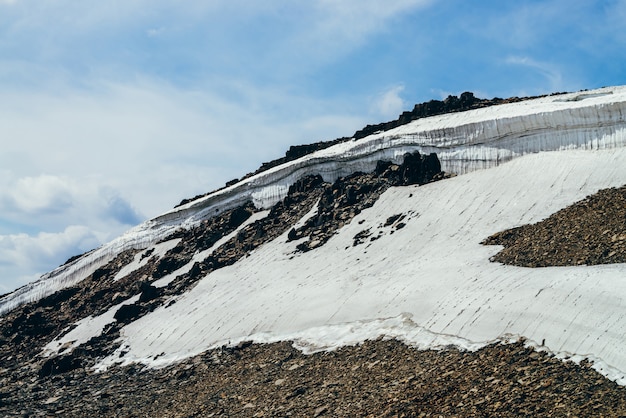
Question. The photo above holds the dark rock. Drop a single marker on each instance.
(147, 253)
(127, 313)
(411, 169)
(467, 101)
(61, 364)
(392, 219)
(32, 324)
(306, 184)
(431, 166)
(238, 216)
(381, 167)
(169, 264)
(148, 292)
(100, 273)
(232, 182)
(419, 169)
(58, 297)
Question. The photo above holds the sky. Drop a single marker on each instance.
(112, 112)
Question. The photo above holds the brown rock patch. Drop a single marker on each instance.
(378, 379)
(590, 232)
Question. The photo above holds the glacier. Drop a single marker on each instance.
(432, 284)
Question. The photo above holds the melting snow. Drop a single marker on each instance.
(202, 255)
(142, 258)
(84, 330)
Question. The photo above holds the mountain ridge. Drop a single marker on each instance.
(466, 101)
(352, 243)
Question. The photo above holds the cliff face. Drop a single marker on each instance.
(374, 237)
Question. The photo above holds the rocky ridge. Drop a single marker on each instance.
(466, 101)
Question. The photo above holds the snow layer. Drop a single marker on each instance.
(464, 142)
(429, 283)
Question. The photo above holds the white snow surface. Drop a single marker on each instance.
(430, 283)
(202, 255)
(84, 330)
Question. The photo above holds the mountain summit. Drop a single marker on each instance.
(460, 263)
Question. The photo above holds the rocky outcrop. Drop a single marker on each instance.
(348, 196)
(467, 101)
(297, 151)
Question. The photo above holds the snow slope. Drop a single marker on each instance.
(429, 283)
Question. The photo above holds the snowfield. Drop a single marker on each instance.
(429, 283)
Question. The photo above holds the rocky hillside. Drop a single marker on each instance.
(377, 378)
(344, 284)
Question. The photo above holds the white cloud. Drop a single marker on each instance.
(612, 28)
(153, 143)
(117, 208)
(49, 202)
(328, 29)
(24, 256)
(38, 195)
(549, 71)
(353, 19)
(530, 24)
(389, 104)
(34, 216)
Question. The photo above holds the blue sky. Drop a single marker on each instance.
(112, 112)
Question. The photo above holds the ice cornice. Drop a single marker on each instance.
(591, 120)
